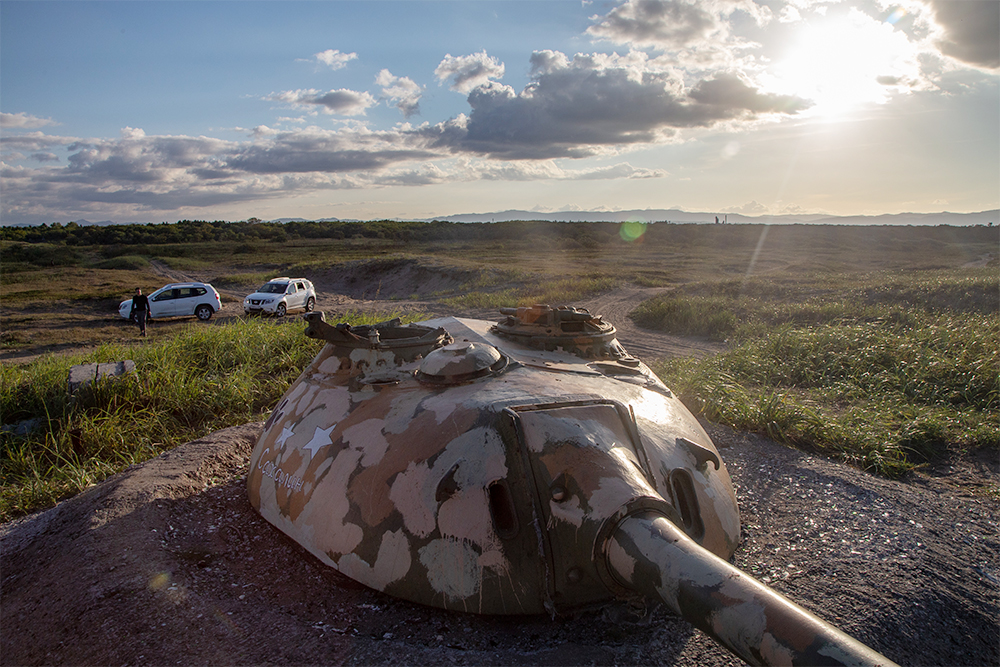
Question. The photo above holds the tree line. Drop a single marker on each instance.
(579, 234)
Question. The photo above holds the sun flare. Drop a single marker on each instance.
(844, 63)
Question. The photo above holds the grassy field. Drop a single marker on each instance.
(185, 386)
(885, 370)
(875, 345)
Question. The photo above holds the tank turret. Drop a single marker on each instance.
(525, 466)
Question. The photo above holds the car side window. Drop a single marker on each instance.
(301, 286)
(198, 291)
(291, 288)
(184, 293)
(165, 295)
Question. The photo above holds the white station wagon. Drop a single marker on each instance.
(281, 295)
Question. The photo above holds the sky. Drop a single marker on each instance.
(161, 111)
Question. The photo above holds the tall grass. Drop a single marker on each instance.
(201, 380)
(885, 383)
(748, 307)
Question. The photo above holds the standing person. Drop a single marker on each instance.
(140, 310)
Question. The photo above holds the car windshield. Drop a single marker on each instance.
(273, 288)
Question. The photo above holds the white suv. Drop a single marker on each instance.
(179, 300)
(281, 295)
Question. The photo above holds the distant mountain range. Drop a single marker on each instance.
(678, 216)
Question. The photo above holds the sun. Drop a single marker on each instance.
(844, 63)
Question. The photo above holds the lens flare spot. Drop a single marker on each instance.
(896, 14)
(632, 231)
(159, 581)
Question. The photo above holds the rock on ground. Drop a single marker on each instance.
(167, 563)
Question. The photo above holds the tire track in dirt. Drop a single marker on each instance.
(646, 344)
(161, 269)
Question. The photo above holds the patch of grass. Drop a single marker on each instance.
(501, 298)
(539, 290)
(884, 385)
(567, 290)
(188, 263)
(201, 380)
(741, 308)
(76, 283)
(124, 263)
(711, 317)
(654, 278)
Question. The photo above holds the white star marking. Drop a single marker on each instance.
(321, 438)
(286, 433)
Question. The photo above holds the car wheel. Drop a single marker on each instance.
(280, 310)
(310, 304)
(203, 312)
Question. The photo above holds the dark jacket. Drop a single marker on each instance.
(139, 302)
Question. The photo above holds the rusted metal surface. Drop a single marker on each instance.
(491, 468)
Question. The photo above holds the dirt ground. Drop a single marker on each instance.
(167, 563)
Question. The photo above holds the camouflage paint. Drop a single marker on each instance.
(380, 462)
(501, 469)
(648, 553)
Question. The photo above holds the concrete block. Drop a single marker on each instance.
(83, 374)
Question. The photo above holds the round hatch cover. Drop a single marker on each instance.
(460, 362)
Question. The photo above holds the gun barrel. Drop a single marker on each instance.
(652, 556)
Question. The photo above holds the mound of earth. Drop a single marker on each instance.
(167, 563)
(393, 278)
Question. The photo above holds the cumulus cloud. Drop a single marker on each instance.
(341, 101)
(789, 14)
(970, 30)
(466, 73)
(34, 142)
(134, 172)
(732, 96)
(325, 151)
(474, 169)
(572, 107)
(263, 131)
(140, 172)
(334, 59)
(138, 158)
(23, 121)
(622, 170)
(666, 24)
(580, 107)
(403, 92)
(674, 25)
